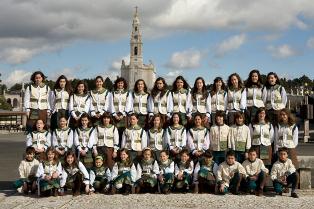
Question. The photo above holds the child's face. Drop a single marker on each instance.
(179, 84)
(208, 159)
(218, 84)
(234, 81)
(80, 88)
(184, 157)
(147, 155)
(133, 120)
(70, 159)
(176, 119)
(283, 117)
(160, 84)
(230, 160)
(199, 84)
(198, 121)
(98, 163)
(62, 83)
(50, 156)
(261, 116)
(254, 77)
(63, 123)
(163, 157)
(84, 122)
(252, 156)
(30, 156)
(219, 120)
(283, 156)
(156, 122)
(120, 85)
(99, 83)
(140, 86)
(40, 125)
(123, 156)
(38, 79)
(272, 80)
(239, 120)
(106, 121)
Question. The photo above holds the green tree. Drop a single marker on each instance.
(4, 105)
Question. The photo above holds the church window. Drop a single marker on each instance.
(135, 28)
(135, 50)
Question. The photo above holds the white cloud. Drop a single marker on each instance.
(310, 43)
(282, 51)
(171, 76)
(17, 76)
(70, 73)
(187, 59)
(230, 44)
(114, 69)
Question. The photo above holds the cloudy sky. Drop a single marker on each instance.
(192, 38)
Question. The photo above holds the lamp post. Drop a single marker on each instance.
(306, 135)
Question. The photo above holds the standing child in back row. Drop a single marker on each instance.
(218, 98)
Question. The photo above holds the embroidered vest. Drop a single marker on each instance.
(99, 99)
(119, 100)
(176, 135)
(105, 136)
(239, 135)
(79, 102)
(49, 169)
(261, 134)
(71, 171)
(147, 167)
(209, 167)
(140, 103)
(285, 136)
(62, 99)
(123, 168)
(180, 101)
(39, 97)
(198, 135)
(160, 104)
(156, 139)
(84, 136)
(254, 97)
(218, 101)
(62, 136)
(199, 104)
(39, 139)
(134, 138)
(234, 99)
(219, 139)
(274, 99)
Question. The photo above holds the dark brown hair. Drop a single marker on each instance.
(214, 89)
(240, 83)
(136, 88)
(68, 86)
(155, 90)
(291, 118)
(119, 79)
(36, 73)
(195, 90)
(79, 83)
(256, 118)
(249, 83)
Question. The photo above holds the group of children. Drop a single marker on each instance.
(123, 141)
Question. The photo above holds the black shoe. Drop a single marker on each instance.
(294, 195)
(279, 193)
(128, 190)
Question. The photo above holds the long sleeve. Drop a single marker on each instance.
(138, 172)
(271, 133)
(176, 170)
(92, 139)
(130, 108)
(243, 100)
(196, 170)
(296, 136)
(52, 101)
(76, 141)
(92, 108)
(184, 139)
(156, 169)
(21, 170)
(189, 170)
(226, 100)
(170, 169)
(190, 143)
(150, 105)
(133, 173)
(54, 140)
(48, 100)
(263, 168)
(84, 172)
(92, 177)
(189, 105)
(27, 97)
(219, 173)
(123, 141)
(114, 172)
(71, 106)
(29, 140)
(144, 140)
(215, 169)
(284, 96)
(169, 104)
(87, 106)
(48, 141)
(248, 138)
(40, 171)
(110, 103)
(264, 94)
(63, 180)
(242, 170)
(231, 143)
(116, 139)
(276, 136)
(206, 142)
(209, 100)
(208, 106)
(70, 140)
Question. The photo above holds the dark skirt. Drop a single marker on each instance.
(264, 153)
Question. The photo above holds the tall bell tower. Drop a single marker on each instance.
(136, 44)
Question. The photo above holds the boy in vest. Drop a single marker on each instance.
(230, 174)
(256, 173)
(134, 139)
(27, 171)
(204, 174)
(218, 137)
(283, 173)
(100, 176)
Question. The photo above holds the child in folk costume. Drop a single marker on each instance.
(262, 135)
(156, 136)
(74, 175)
(205, 174)
(183, 172)
(100, 176)
(147, 171)
(286, 135)
(123, 174)
(218, 137)
(240, 137)
(218, 98)
(36, 100)
(274, 97)
(134, 139)
(181, 97)
(27, 170)
(39, 139)
(175, 137)
(236, 97)
(166, 172)
(84, 141)
(201, 101)
(79, 104)
(198, 138)
(107, 140)
(230, 174)
(101, 101)
(256, 173)
(59, 99)
(254, 95)
(139, 103)
(160, 101)
(121, 105)
(49, 173)
(283, 173)
(62, 138)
